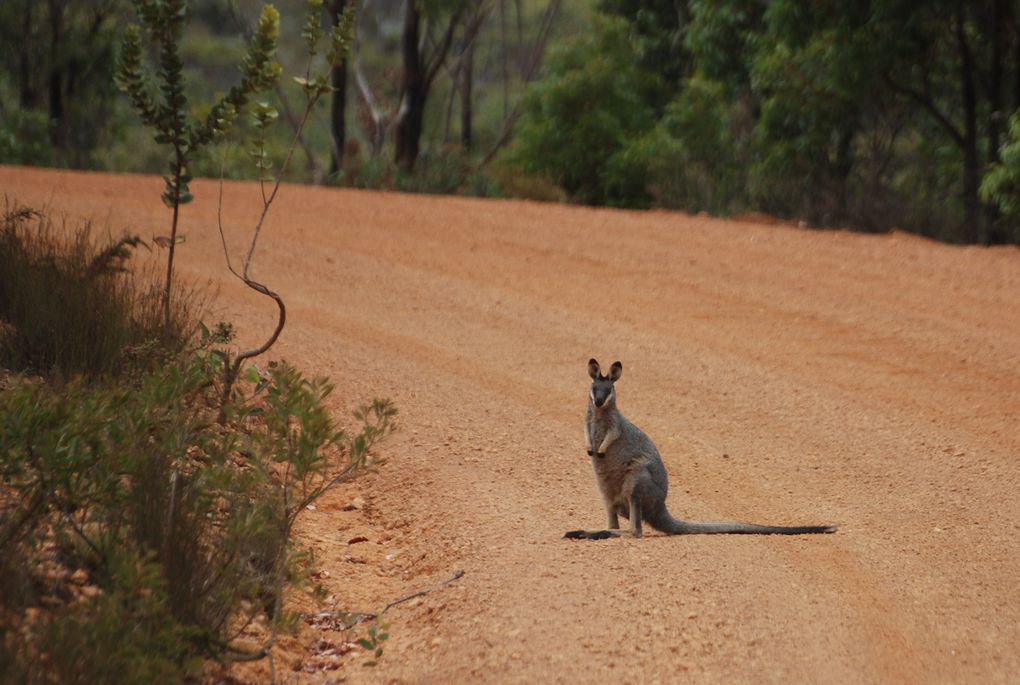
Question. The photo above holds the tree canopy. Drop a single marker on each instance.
(873, 115)
(870, 115)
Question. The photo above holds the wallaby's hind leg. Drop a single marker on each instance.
(635, 516)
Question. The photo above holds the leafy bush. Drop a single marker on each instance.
(126, 635)
(578, 120)
(182, 527)
(24, 138)
(1001, 185)
(445, 172)
(67, 305)
(689, 160)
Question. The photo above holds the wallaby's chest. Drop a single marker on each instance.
(599, 424)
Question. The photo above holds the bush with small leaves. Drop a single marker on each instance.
(174, 520)
(167, 113)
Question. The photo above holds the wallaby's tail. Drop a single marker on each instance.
(664, 521)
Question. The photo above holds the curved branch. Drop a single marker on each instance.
(231, 369)
(280, 321)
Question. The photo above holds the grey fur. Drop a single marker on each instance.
(631, 476)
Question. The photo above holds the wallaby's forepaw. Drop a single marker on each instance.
(588, 534)
(602, 455)
(591, 453)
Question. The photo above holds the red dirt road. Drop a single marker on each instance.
(788, 376)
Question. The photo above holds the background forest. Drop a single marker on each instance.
(868, 115)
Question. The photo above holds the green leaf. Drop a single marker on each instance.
(251, 374)
(365, 643)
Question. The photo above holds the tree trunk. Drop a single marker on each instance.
(974, 229)
(28, 94)
(409, 120)
(466, 88)
(56, 76)
(338, 110)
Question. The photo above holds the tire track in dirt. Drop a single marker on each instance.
(787, 376)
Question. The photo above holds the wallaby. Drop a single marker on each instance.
(631, 476)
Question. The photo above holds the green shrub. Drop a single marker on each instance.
(24, 138)
(446, 172)
(578, 120)
(126, 635)
(183, 526)
(1001, 185)
(689, 160)
(443, 173)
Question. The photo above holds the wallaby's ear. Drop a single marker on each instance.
(593, 369)
(615, 370)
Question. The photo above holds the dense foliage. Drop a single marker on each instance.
(872, 115)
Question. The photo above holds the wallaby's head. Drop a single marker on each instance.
(602, 390)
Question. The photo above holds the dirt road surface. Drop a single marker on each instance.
(788, 376)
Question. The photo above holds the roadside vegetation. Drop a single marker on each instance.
(151, 475)
(138, 535)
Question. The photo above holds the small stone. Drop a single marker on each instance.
(356, 504)
(79, 577)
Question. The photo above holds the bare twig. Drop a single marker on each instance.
(360, 616)
(219, 214)
(457, 575)
(267, 202)
(535, 59)
(294, 122)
